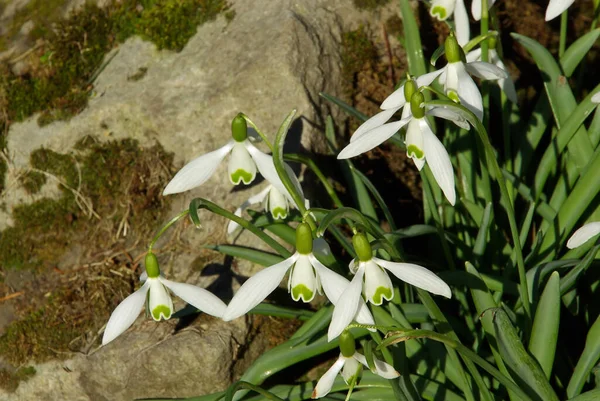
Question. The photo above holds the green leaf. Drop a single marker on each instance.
(378, 198)
(592, 395)
(482, 235)
(253, 255)
(577, 51)
(345, 106)
(544, 334)
(588, 359)
(412, 37)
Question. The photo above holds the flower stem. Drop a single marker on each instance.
(165, 227)
(258, 131)
(564, 20)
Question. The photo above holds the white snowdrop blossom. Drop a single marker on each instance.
(556, 8)
(476, 9)
(506, 84)
(583, 235)
(444, 9)
(421, 143)
(308, 277)
(349, 368)
(155, 293)
(372, 281)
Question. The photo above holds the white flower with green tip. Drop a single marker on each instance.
(372, 280)
(444, 9)
(308, 276)
(506, 84)
(583, 235)
(556, 8)
(154, 292)
(349, 366)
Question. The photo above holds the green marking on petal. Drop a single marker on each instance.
(279, 213)
(414, 151)
(302, 291)
(241, 175)
(163, 310)
(382, 292)
(439, 12)
(453, 96)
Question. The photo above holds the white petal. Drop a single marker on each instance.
(241, 166)
(350, 370)
(278, 204)
(397, 99)
(450, 115)
(507, 85)
(484, 70)
(374, 138)
(443, 75)
(468, 93)
(303, 280)
(439, 162)
(198, 297)
(583, 235)
(596, 97)
(475, 54)
(414, 141)
(144, 276)
(428, 78)
(160, 303)
(197, 171)
(476, 8)
(416, 275)
(556, 8)
(378, 285)
(325, 383)
(346, 306)
(376, 121)
(461, 23)
(125, 314)
(253, 200)
(321, 248)
(442, 9)
(381, 368)
(257, 288)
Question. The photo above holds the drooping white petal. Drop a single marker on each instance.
(376, 121)
(442, 9)
(476, 8)
(303, 280)
(198, 171)
(443, 75)
(449, 115)
(474, 54)
(125, 314)
(416, 275)
(556, 8)
(381, 368)
(198, 297)
(595, 98)
(257, 288)
(242, 167)
(350, 370)
(321, 248)
(346, 306)
(461, 23)
(374, 138)
(253, 200)
(439, 162)
(428, 78)
(378, 285)
(414, 143)
(334, 285)
(583, 235)
(160, 303)
(278, 204)
(467, 91)
(484, 70)
(506, 84)
(325, 383)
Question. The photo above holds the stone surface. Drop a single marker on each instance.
(267, 61)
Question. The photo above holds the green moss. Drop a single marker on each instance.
(58, 164)
(9, 380)
(370, 4)
(32, 181)
(357, 51)
(141, 73)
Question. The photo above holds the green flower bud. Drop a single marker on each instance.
(239, 128)
(362, 246)
(410, 87)
(454, 53)
(304, 240)
(415, 105)
(152, 265)
(347, 344)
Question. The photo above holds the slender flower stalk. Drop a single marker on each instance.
(154, 292)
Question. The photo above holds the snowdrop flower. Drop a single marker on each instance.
(583, 234)
(421, 143)
(308, 277)
(348, 364)
(556, 8)
(506, 84)
(154, 292)
(244, 161)
(371, 279)
(476, 10)
(458, 85)
(444, 9)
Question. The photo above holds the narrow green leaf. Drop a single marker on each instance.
(588, 359)
(592, 395)
(345, 106)
(544, 334)
(412, 37)
(378, 198)
(481, 240)
(577, 51)
(416, 230)
(253, 255)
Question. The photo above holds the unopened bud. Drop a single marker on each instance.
(152, 268)
(454, 53)
(362, 247)
(347, 344)
(416, 108)
(304, 240)
(239, 128)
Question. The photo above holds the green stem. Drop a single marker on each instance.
(245, 385)
(258, 131)
(564, 20)
(165, 227)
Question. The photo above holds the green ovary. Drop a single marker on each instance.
(279, 213)
(161, 309)
(440, 12)
(454, 96)
(302, 291)
(241, 175)
(414, 151)
(380, 294)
